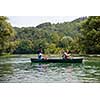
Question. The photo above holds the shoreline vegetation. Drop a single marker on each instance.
(80, 36)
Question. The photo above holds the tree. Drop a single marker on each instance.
(66, 42)
(90, 39)
(25, 46)
(7, 34)
(55, 38)
(52, 49)
(51, 37)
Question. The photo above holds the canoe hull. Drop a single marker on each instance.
(75, 60)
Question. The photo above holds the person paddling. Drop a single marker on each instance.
(39, 53)
(66, 54)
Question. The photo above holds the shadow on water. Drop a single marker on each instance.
(55, 66)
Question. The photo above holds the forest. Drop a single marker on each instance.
(81, 36)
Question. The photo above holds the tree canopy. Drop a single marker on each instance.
(51, 37)
(90, 38)
(81, 35)
(7, 35)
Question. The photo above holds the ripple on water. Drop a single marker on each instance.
(21, 70)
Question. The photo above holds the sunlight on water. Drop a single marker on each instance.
(21, 70)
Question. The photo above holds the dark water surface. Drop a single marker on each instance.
(19, 69)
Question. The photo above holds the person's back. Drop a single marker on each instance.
(66, 54)
(39, 53)
(63, 55)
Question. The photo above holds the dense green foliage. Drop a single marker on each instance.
(7, 36)
(79, 36)
(51, 37)
(90, 38)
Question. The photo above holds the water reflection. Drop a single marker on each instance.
(42, 67)
(57, 72)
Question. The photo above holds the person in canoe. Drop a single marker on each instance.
(39, 53)
(66, 54)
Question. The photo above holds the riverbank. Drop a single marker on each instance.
(17, 55)
(49, 55)
(7, 55)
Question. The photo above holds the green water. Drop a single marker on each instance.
(19, 69)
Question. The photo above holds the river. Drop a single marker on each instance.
(19, 69)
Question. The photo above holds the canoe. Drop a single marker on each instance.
(53, 60)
